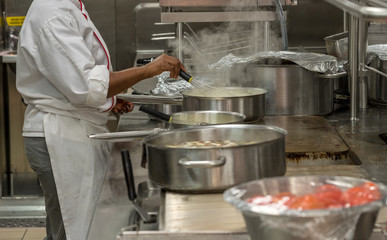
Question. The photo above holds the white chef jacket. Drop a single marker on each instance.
(63, 65)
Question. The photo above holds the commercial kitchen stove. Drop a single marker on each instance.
(194, 216)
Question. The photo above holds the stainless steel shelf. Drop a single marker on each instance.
(374, 11)
(175, 17)
(8, 58)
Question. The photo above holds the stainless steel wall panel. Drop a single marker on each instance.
(125, 33)
(116, 22)
(311, 21)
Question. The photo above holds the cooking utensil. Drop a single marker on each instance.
(195, 118)
(260, 153)
(124, 136)
(337, 45)
(128, 171)
(248, 101)
(292, 90)
(266, 223)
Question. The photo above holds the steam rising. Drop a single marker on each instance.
(211, 44)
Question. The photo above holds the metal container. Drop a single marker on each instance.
(202, 118)
(337, 45)
(166, 108)
(195, 118)
(248, 101)
(265, 223)
(291, 89)
(377, 84)
(260, 154)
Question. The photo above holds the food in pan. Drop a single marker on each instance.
(325, 196)
(206, 144)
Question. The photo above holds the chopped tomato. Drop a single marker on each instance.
(354, 196)
(307, 202)
(325, 196)
(330, 195)
(362, 194)
(372, 191)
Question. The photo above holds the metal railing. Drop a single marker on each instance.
(360, 13)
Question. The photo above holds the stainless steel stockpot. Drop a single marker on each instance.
(260, 154)
(377, 84)
(292, 90)
(248, 101)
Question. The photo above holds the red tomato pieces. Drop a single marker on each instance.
(325, 196)
(330, 195)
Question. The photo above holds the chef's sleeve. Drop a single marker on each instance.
(66, 61)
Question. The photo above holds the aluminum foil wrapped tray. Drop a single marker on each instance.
(315, 62)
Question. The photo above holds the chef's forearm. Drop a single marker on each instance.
(121, 80)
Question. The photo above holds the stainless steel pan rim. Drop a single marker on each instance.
(197, 93)
(229, 117)
(148, 139)
(249, 101)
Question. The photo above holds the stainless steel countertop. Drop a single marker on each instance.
(114, 208)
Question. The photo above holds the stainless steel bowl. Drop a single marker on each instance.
(265, 223)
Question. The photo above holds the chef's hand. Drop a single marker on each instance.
(122, 106)
(165, 63)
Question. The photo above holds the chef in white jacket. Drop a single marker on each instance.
(65, 76)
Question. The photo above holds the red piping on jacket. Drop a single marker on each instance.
(107, 56)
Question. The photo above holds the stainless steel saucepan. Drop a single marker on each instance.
(248, 101)
(195, 118)
(187, 119)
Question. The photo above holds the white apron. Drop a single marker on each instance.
(78, 165)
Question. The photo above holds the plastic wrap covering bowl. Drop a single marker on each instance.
(268, 223)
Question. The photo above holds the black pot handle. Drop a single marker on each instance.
(128, 171)
(129, 178)
(155, 113)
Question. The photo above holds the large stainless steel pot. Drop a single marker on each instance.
(248, 101)
(261, 154)
(377, 84)
(292, 90)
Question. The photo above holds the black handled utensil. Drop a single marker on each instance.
(185, 76)
(129, 178)
(182, 74)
